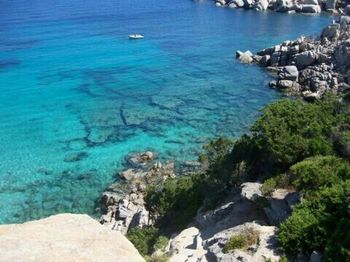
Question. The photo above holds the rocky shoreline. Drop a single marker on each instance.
(123, 203)
(204, 239)
(309, 67)
(245, 209)
(341, 7)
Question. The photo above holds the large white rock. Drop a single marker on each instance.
(261, 5)
(347, 10)
(251, 190)
(186, 239)
(238, 3)
(288, 73)
(312, 9)
(284, 5)
(187, 246)
(65, 237)
(305, 58)
(309, 2)
(245, 57)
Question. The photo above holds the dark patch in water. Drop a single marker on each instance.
(84, 88)
(18, 44)
(7, 64)
(121, 113)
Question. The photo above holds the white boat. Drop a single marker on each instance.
(136, 36)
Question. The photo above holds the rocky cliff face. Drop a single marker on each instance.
(65, 237)
(245, 210)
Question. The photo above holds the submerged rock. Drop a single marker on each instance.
(140, 159)
(74, 157)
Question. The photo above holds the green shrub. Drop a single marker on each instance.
(291, 130)
(287, 132)
(177, 201)
(242, 241)
(147, 239)
(280, 181)
(143, 239)
(341, 140)
(313, 173)
(235, 242)
(268, 186)
(157, 258)
(320, 223)
(283, 259)
(161, 243)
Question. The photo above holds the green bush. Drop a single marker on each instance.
(280, 181)
(320, 223)
(161, 243)
(341, 140)
(313, 173)
(242, 241)
(157, 258)
(268, 186)
(291, 130)
(177, 201)
(235, 242)
(143, 239)
(287, 132)
(283, 259)
(294, 144)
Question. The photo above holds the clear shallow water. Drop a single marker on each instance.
(72, 83)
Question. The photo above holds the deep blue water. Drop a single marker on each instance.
(71, 82)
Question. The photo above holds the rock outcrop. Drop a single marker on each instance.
(311, 67)
(65, 237)
(245, 210)
(290, 6)
(123, 202)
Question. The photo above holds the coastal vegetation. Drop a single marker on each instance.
(242, 241)
(147, 239)
(294, 145)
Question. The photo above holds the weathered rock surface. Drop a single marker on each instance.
(312, 67)
(142, 159)
(65, 237)
(280, 205)
(245, 57)
(187, 246)
(123, 204)
(266, 248)
(241, 212)
(251, 190)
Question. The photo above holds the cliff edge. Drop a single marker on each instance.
(64, 237)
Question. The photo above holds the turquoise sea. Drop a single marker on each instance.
(76, 96)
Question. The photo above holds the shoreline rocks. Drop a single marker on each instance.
(310, 67)
(123, 202)
(142, 159)
(340, 7)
